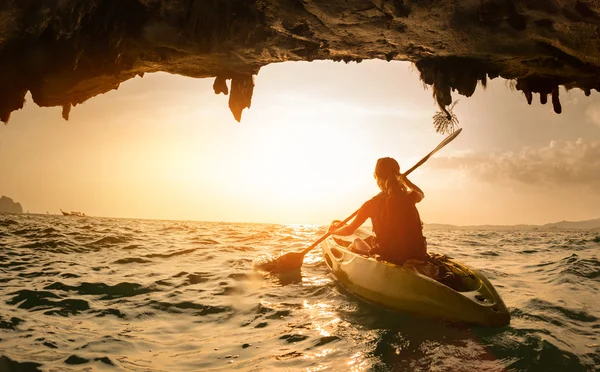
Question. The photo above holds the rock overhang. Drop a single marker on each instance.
(67, 51)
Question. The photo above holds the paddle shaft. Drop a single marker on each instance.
(442, 144)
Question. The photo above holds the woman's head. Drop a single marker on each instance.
(386, 167)
(387, 171)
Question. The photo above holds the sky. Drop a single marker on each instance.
(166, 147)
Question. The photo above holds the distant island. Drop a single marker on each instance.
(7, 205)
(562, 225)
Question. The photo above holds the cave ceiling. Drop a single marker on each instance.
(67, 51)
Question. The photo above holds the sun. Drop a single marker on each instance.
(301, 162)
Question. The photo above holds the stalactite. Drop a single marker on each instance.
(556, 101)
(66, 110)
(242, 87)
(220, 85)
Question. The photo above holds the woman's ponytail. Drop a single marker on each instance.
(387, 171)
(395, 185)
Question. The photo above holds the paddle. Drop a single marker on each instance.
(293, 260)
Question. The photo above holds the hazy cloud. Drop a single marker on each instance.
(559, 163)
(593, 114)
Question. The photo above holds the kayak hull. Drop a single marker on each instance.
(461, 295)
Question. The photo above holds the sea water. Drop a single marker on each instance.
(150, 295)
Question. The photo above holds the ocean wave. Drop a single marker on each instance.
(530, 352)
(11, 324)
(239, 276)
(188, 306)
(129, 260)
(204, 241)
(132, 246)
(77, 360)
(178, 228)
(9, 365)
(172, 254)
(583, 268)
(49, 244)
(108, 292)
(12, 264)
(44, 300)
(260, 236)
(569, 269)
(26, 232)
(106, 312)
(490, 253)
(8, 222)
(197, 278)
(109, 240)
(561, 312)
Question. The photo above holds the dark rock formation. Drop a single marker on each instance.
(67, 51)
(8, 206)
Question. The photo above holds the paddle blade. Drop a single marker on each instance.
(279, 264)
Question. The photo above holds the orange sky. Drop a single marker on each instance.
(166, 147)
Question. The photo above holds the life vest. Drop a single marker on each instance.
(398, 228)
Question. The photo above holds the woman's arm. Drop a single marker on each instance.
(361, 217)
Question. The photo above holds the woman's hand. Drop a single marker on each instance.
(413, 188)
(335, 224)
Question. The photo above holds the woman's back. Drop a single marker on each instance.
(398, 228)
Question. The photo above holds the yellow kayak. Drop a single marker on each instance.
(442, 288)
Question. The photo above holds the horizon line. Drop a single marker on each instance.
(314, 224)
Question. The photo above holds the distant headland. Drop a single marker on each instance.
(562, 225)
(7, 205)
